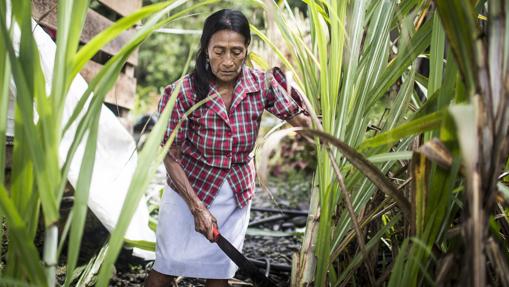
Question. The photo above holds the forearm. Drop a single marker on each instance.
(181, 183)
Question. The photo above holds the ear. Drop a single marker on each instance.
(247, 55)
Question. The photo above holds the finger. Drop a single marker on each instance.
(210, 235)
(213, 225)
(213, 218)
(200, 228)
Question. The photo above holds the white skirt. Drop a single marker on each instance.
(181, 251)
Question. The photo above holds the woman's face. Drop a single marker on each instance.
(226, 51)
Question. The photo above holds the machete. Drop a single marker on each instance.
(245, 265)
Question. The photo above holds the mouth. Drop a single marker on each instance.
(228, 72)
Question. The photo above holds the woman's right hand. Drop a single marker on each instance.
(204, 221)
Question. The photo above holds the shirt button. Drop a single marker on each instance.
(228, 154)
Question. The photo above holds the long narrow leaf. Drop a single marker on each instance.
(372, 243)
(70, 19)
(403, 155)
(419, 125)
(457, 17)
(420, 41)
(101, 39)
(148, 161)
(25, 104)
(367, 168)
(81, 194)
(28, 255)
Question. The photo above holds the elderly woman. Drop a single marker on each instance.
(210, 167)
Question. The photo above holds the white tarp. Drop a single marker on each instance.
(115, 161)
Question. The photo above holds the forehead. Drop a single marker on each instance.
(227, 38)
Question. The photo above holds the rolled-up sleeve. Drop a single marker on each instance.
(281, 102)
(177, 115)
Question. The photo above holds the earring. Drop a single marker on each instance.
(207, 64)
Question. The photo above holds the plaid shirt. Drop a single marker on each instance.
(217, 145)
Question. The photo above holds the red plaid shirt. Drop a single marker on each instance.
(216, 145)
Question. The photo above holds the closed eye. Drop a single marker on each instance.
(237, 52)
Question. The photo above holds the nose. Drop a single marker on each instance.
(228, 61)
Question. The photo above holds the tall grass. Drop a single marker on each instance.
(365, 54)
(343, 95)
(37, 179)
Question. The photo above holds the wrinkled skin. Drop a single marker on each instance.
(226, 54)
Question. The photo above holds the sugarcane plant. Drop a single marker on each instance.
(399, 188)
(466, 180)
(37, 177)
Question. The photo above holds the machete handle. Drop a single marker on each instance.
(215, 232)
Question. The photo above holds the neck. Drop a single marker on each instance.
(222, 84)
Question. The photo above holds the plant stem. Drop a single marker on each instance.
(50, 254)
(307, 259)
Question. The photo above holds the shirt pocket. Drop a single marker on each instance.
(247, 123)
(200, 119)
(204, 125)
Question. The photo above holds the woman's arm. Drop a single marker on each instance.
(203, 219)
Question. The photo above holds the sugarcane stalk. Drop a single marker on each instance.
(306, 265)
(50, 254)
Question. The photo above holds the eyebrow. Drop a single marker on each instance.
(224, 47)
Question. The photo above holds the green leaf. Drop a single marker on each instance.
(148, 161)
(357, 260)
(259, 61)
(70, 19)
(11, 282)
(376, 55)
(99, 86)
(81, 195)
(415, 126)
(356, 34)
(437, 48)
(88, 276)
(390, 156)
(264, 38)
(418, 44)
(141, 244)
(150, 26)
(364, 166)
(458, 20)
(27, 252)
(100, 40)
(24, 104)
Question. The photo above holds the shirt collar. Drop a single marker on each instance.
(246, 83)
(248, 80)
